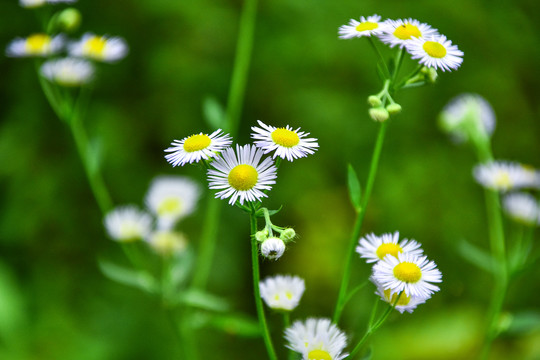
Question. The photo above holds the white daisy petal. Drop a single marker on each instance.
(38, 3)
(374, 248)
(35, 45)
(273, 248)
(287, 143)
(365, 27)
(506, 175)
(100, 48)
(401, 32)
(282, 292)
(523, 208)
(435, 52)
(316, 339)
(127, 223)
(197, 147)
(405, 302)
(68, 71)
(241, 176)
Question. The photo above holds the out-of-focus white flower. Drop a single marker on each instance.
(435, 52)
(172, 198)
(374, 248)
(522, 207)
(197, 147)
(282, 292)
(317, 339)
(128, 223)
(506, 175)
(365, 27)
(35, 45)
(272, 248)
(38, 3)
(100, 48)
(166, 242)
(68, 71)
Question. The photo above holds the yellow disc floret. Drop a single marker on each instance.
(434, 49)
(285, 138)
(388, 248)
(243, 177)
(502, 180)
(403, 298)
(368, 25)
(37, 43)
(319, 355)
(196, 142)
(169, 206)
(95, 46)
(407, 272)
(406, 31)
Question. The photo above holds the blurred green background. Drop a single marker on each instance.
(55, 303)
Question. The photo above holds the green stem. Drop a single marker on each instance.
(286, 323)
(378, 52)
(358, 222)
(256, 291)
(183, 333)
(241, 65)
(399, 61)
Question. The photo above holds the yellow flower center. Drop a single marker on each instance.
(196, 142)
(406, 31)
(434, 49)
(285, 138)
(403, 299)
(407, 272)
(129, 232)
(319, 355)
(502, 180)
(37, 43)
(95, 46)
(389, 248)
(243, 177)
(368, 25)
(168, 206)
(288, 294)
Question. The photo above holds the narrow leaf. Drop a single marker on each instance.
(260, 212)
(355, 192)
(475, 255)
(203, 300)
(213, 112)
(236, 324)
(137, 279)
(523, 322)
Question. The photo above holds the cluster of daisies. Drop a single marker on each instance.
(420, 40)
(76, 68)
(470, 118)
(168, 200)
(402, 274)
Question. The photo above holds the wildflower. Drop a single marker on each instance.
(410, 273)
(468, 117)
(365, 27)
(288, 234)
(505, 175)
(127, 223)
(35, 45)
(288, 143)
(100, 48)
(375, 248)
(38, 3)
(272, 248)
(167, 243)
(404, 303)
(242, 175)
(522, 207)
(68, 71)
(196, 147)
(172, 198)
(400, 32)
(379, 114)
(282, 292)
(316, 339)
(435, 52)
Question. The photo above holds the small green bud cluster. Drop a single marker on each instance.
(378, 111)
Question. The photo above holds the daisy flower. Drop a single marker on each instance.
(273, 248)
(288, 143)
(505, 175)
(68, 71)
(38, 3)
(172, 198)
(410, 273)
(316, 339)
(35, 45)
(374, 248)
(282, 292)
(435, 52)
(196, 147)
(167, 243)
(100, 48)
(400, 32)
(127, 223)
(522, 207)
(467, 116)
(404, 303)
(365, 27)
(242, 175)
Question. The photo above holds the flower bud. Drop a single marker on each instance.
(374, 101)
(272, 248)
(393, 109)
(262, 235)
(69, 20)
(431, 76)
(379, 114)
(288, 234)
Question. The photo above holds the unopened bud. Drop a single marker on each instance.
(262, 235)
(288, 234)
(379, 114)
(272, 248)
(393, 109)
(69, 20)
(374, 101)
(431, 76)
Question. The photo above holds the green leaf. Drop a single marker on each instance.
(355, 191)
(236, 324)
(213, 112)
(475, 255)
(137, 279)
(522, 322)
(181, 267)
(203, 300)
(260, 212)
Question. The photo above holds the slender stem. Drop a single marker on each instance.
(241, 65)
(381, 58)
(358, 222)
(256, 291)
(183, 332)
(286, 323)
(399, 61)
